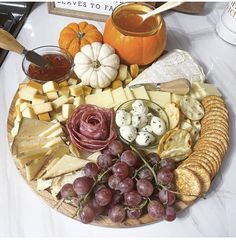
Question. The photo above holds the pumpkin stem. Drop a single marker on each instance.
(80, 35)
(96, 64)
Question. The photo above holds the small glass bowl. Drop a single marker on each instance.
(44, 50)
(156, 110)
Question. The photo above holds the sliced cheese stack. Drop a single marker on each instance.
(37, 143)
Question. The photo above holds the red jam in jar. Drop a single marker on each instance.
(58, 68)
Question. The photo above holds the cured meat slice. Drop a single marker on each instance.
(91, 128)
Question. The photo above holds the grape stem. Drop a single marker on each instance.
(142, 205)
(146, 163)
(84, 199)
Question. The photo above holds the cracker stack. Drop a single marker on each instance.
(194, 175)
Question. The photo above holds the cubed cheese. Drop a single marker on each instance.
(103, 99)
(122, 73)
(19, 101)
(27, 93)
(24, 105)
(141, 93)
(60, 118)
(63, 84)
(42, 108)
(50, 86)
(36, 86)
(29, 113)
(59, 102)
(161, 98)
(76, 90)
(71, 100)
(67, 110)
(64, 91)
(44, 117)
(79, 100)
(96, 90)
(52, 95)
(39, 99)
(87, 90)
(119, 96)
(72, 81)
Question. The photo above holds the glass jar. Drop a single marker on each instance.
(134, 43)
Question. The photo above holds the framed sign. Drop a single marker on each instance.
(92, 10)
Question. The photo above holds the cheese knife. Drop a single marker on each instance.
(179, 86)
(8, 42)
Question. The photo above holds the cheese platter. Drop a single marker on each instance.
(102, 148)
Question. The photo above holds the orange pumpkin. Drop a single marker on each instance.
(75, 35)
(141, 50)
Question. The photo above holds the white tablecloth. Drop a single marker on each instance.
(23, 213)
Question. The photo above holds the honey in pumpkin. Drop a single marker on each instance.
(129, 20)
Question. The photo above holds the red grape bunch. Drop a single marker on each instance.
(124, 184)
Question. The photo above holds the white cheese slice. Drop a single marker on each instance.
(103, 99)
(129, 94)
(140, 93)
(53, 142)
(50, 130)
(56, 133)
(119, 96)
(175, 64)
(161, 98)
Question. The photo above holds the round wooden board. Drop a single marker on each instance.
(68, 209)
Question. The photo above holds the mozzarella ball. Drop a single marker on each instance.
(122, 118)
(129, 133)
(158, 126)
(144, 138)
(139, 120)
(146, 128)
(139, 107)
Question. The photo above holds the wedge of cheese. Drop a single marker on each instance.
(64, 165)
(34, 167)
(26, 157)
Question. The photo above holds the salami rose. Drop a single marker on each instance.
(91, 128)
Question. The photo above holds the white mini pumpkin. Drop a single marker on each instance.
(96, 65)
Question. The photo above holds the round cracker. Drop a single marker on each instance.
(216, 107)
(217, 133)
(215, 125)
(162, 141)
(191, 108)
(203, 176)
(216, 114)
(210, 98)
(187, 185)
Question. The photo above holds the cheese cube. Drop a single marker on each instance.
(27, 93)
(87, 90)
(42, 108)
(161, 98)
(60, 118)
(96, 90)
(79, 100)
(141, 93)
(67, 110)
(63, 84)
(44, 117)
(36, 86)
(119, 96)
(19, 101)
(122, 73)
(129, 94)
(64, 91)
(71, 100)
(59, 102)
(50, 86)
(39, 99)
(76, 90)
(29, 113)
(24, 105)
(105, 96)
(72, 81)
(128, 79)
(22, 85)
(52, 95)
